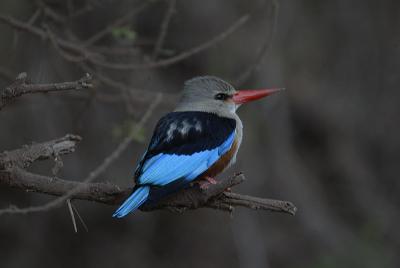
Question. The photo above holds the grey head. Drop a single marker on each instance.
(208, 94)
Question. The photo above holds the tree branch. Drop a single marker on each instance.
(25, 156)
(18, 178)
(190, 198)
(21, 87)
(13, 175)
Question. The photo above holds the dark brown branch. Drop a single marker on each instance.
(21, 87)
(252, 202)
(191, 198)
(13, 174)
(98, 192)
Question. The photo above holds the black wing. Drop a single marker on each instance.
(185, 133)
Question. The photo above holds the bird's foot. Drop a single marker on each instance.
(205, 182)
(211, 180)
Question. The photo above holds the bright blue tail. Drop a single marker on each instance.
(133, 202)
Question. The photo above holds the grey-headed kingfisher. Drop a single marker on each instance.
(195, 142)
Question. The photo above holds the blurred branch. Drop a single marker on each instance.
(164, 28)
(86, 55)
(21, 87)
(50, 13)
(264, 50)
(180, 57)
(120, 21)
(20, 25)
(34, 16)
(44, 34)
(140, 94)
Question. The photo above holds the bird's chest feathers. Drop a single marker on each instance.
(229, 158)
(225, 161)
(239, 137)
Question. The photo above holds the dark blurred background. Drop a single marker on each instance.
(329, 143)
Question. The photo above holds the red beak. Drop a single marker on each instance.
(243, 96)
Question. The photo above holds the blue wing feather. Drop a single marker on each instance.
(163, 169)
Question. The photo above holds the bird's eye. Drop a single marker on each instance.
(221, 96)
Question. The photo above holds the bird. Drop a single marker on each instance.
(195, 142)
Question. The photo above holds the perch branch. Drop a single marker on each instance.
(190, 198)
(20, 87)
(13, 174)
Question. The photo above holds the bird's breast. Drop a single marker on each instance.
(226, 159)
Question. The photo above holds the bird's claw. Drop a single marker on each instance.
(205, 182)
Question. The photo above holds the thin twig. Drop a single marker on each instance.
(265, 48)
(71, 212)
(257, 203)
(34, 16)
(80, 218)
(79, 12)
(50, 13)
(20, 25)
(67, 56)
(110, 27)
(67, 45)
(164, 28)
(140, 94)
